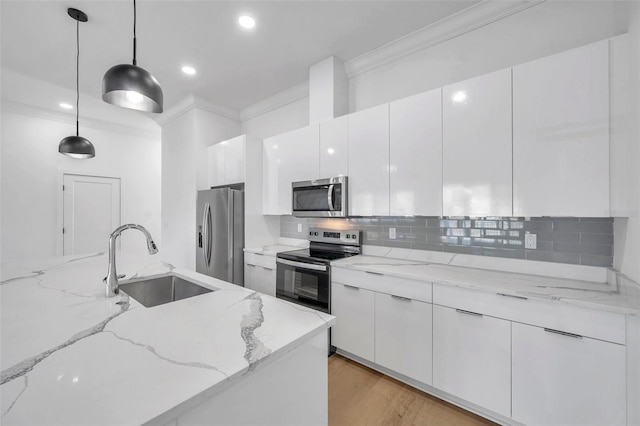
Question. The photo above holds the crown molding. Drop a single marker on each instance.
(452, 26)
(190, 102)
(292, 94)
(47, 114)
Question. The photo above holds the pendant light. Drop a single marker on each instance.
(130, 86)
(77, 146)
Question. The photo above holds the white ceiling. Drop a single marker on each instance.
(236, 68)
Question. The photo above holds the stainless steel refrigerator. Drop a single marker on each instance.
(220, 234)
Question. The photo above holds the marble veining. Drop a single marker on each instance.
(28, 364)
(250, 322)
(119, 350)
(155, 353)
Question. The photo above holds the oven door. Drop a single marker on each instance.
(306, 284)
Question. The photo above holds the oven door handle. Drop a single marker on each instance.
(303, 265)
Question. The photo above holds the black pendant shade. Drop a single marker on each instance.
(130, 86)
(77, 146)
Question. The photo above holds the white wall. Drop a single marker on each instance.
(281, 120)
(185, 139)
(539, 31)
(32, 167)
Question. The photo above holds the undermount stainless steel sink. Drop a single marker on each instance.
(161, 290)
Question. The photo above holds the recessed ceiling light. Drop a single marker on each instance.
(189, 70)
(246, 21)
(66, 105)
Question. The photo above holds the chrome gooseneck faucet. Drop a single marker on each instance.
(111, 279)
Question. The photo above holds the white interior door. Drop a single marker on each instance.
(91, 211)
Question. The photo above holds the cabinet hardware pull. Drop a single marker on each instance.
(406, 299)
(511, 295)
(373, 273)
(475, 314)
(249, 264)
(259, 254)
(351, 286)
(564, 333)
(268, 269)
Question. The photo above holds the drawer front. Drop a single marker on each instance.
(412, 289)
(554, 315)
(267, 262)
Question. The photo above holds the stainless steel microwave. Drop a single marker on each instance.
(320, 197)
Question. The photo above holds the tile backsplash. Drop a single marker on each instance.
(578, 241)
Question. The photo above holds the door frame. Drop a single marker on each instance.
(60, 196)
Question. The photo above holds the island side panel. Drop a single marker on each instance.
(291, 390)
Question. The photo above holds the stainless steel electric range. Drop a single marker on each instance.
(304, 276)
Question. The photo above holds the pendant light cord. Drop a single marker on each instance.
(134, 33)
(77, 77)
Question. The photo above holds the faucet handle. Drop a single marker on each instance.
(104, 280)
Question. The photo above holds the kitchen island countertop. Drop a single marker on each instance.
(72, 356)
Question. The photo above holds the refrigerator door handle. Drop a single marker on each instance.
(230, 232)
(206, 230)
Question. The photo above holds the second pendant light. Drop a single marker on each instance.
(130, 86)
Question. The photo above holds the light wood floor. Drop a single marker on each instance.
(361, 396)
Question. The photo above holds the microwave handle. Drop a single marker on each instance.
(330, 193)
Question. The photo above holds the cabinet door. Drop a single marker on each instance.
(334, 153)
(477, 146)
(234, 160)
(472, 358)
(270, 176)
(298, 159)
(215, 163)
(403, 336)
(369, 162)
(260, 278)
(559, 379)
(561, 134)
(416, 155)
(354, 330)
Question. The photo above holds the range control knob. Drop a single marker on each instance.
(348, 236)
(315, 234)
(353, 236)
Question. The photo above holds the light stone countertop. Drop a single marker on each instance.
(72, 356)
(618, 295)
(271, 250)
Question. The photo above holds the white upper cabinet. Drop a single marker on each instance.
(234, 159)
(477, 146)
(215, 165)
(334, 154)
(561, 134)
(287, 158)
(415, 151)
(226, 162)
(369, 162)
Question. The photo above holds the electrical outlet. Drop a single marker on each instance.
(392, 233)
(299, 227)
(530, 241)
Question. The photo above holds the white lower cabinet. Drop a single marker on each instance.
(354, 329)
(403, 336)
(472, 357)
(260, 273)
(564, 379)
